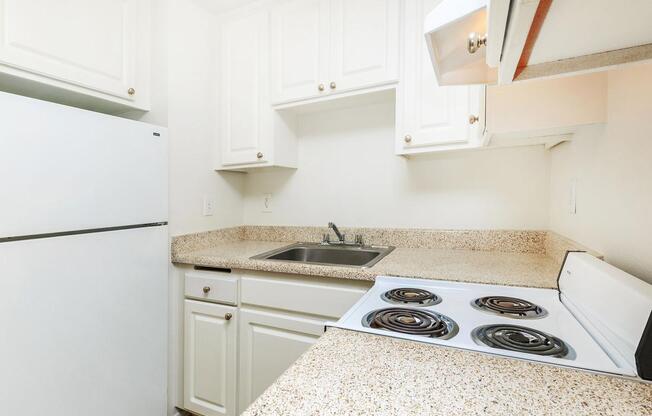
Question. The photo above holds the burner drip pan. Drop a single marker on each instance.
(521, 339)
(412, 321)
(509, 307)
(411, 297)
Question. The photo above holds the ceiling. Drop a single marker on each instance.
(220, 6)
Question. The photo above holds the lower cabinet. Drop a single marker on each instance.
(269, 343)
(210, 357)
(233, 352)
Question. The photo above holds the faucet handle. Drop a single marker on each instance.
(358, 239)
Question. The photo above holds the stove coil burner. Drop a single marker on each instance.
(413, 322)
(506, 306)
(521, 339)
(411, 296)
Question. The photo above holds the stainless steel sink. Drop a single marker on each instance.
(329, 255)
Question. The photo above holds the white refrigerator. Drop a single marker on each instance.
(83, 262)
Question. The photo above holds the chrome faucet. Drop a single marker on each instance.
(340, 236)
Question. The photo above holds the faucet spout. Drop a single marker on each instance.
(337, 232)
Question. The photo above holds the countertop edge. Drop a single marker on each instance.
(197, 258)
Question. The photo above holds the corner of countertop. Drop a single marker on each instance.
(556, 246)
(187, 243)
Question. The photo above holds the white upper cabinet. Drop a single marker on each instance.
(251, 133)
(95, 48)
(324, 47)
(364, 43)
(243, 90)
(430, 117)
(487, 41)
(299, 49)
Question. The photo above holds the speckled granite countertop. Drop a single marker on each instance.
(522, 269)
(353, 373)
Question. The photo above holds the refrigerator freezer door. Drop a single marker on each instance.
(83, 324)
(65, 169)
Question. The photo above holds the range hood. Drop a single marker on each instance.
(501, 41)
(464, 47)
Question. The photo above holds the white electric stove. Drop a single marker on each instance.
(595, 322)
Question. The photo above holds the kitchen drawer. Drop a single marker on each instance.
(316, 296)
(218, 287)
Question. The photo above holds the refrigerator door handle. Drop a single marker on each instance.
(78, 232)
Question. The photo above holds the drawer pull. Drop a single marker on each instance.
(207, 289)
(228, 316)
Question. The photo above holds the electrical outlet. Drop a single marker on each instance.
(267, 203)
(208, 206)
(572, 200)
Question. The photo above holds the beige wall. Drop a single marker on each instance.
(192, 126)
(184, 92)
(348, 173)
(547, 104)
(613, 169)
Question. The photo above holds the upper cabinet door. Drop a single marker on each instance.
(299, 49)
(92, 44)
(428, 115)
(440, 115)
(243, 89)
(364, 43)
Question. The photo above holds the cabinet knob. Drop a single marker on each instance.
(228, 316)
(333, 85)
(321, 87)
(473, 119)
(475, 41)
(206, 289)
(408, 139)
(259, 155)
(131, 91)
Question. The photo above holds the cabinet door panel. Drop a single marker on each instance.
(441, 114)
(431, 115)
(300, 295)
(210, 358)
(299, 49)
(364, 42)
(270, 343)
(243, 89)
(90, 44)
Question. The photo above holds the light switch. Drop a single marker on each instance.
(208, 206)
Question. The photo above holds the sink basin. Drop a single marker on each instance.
(330, 255)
